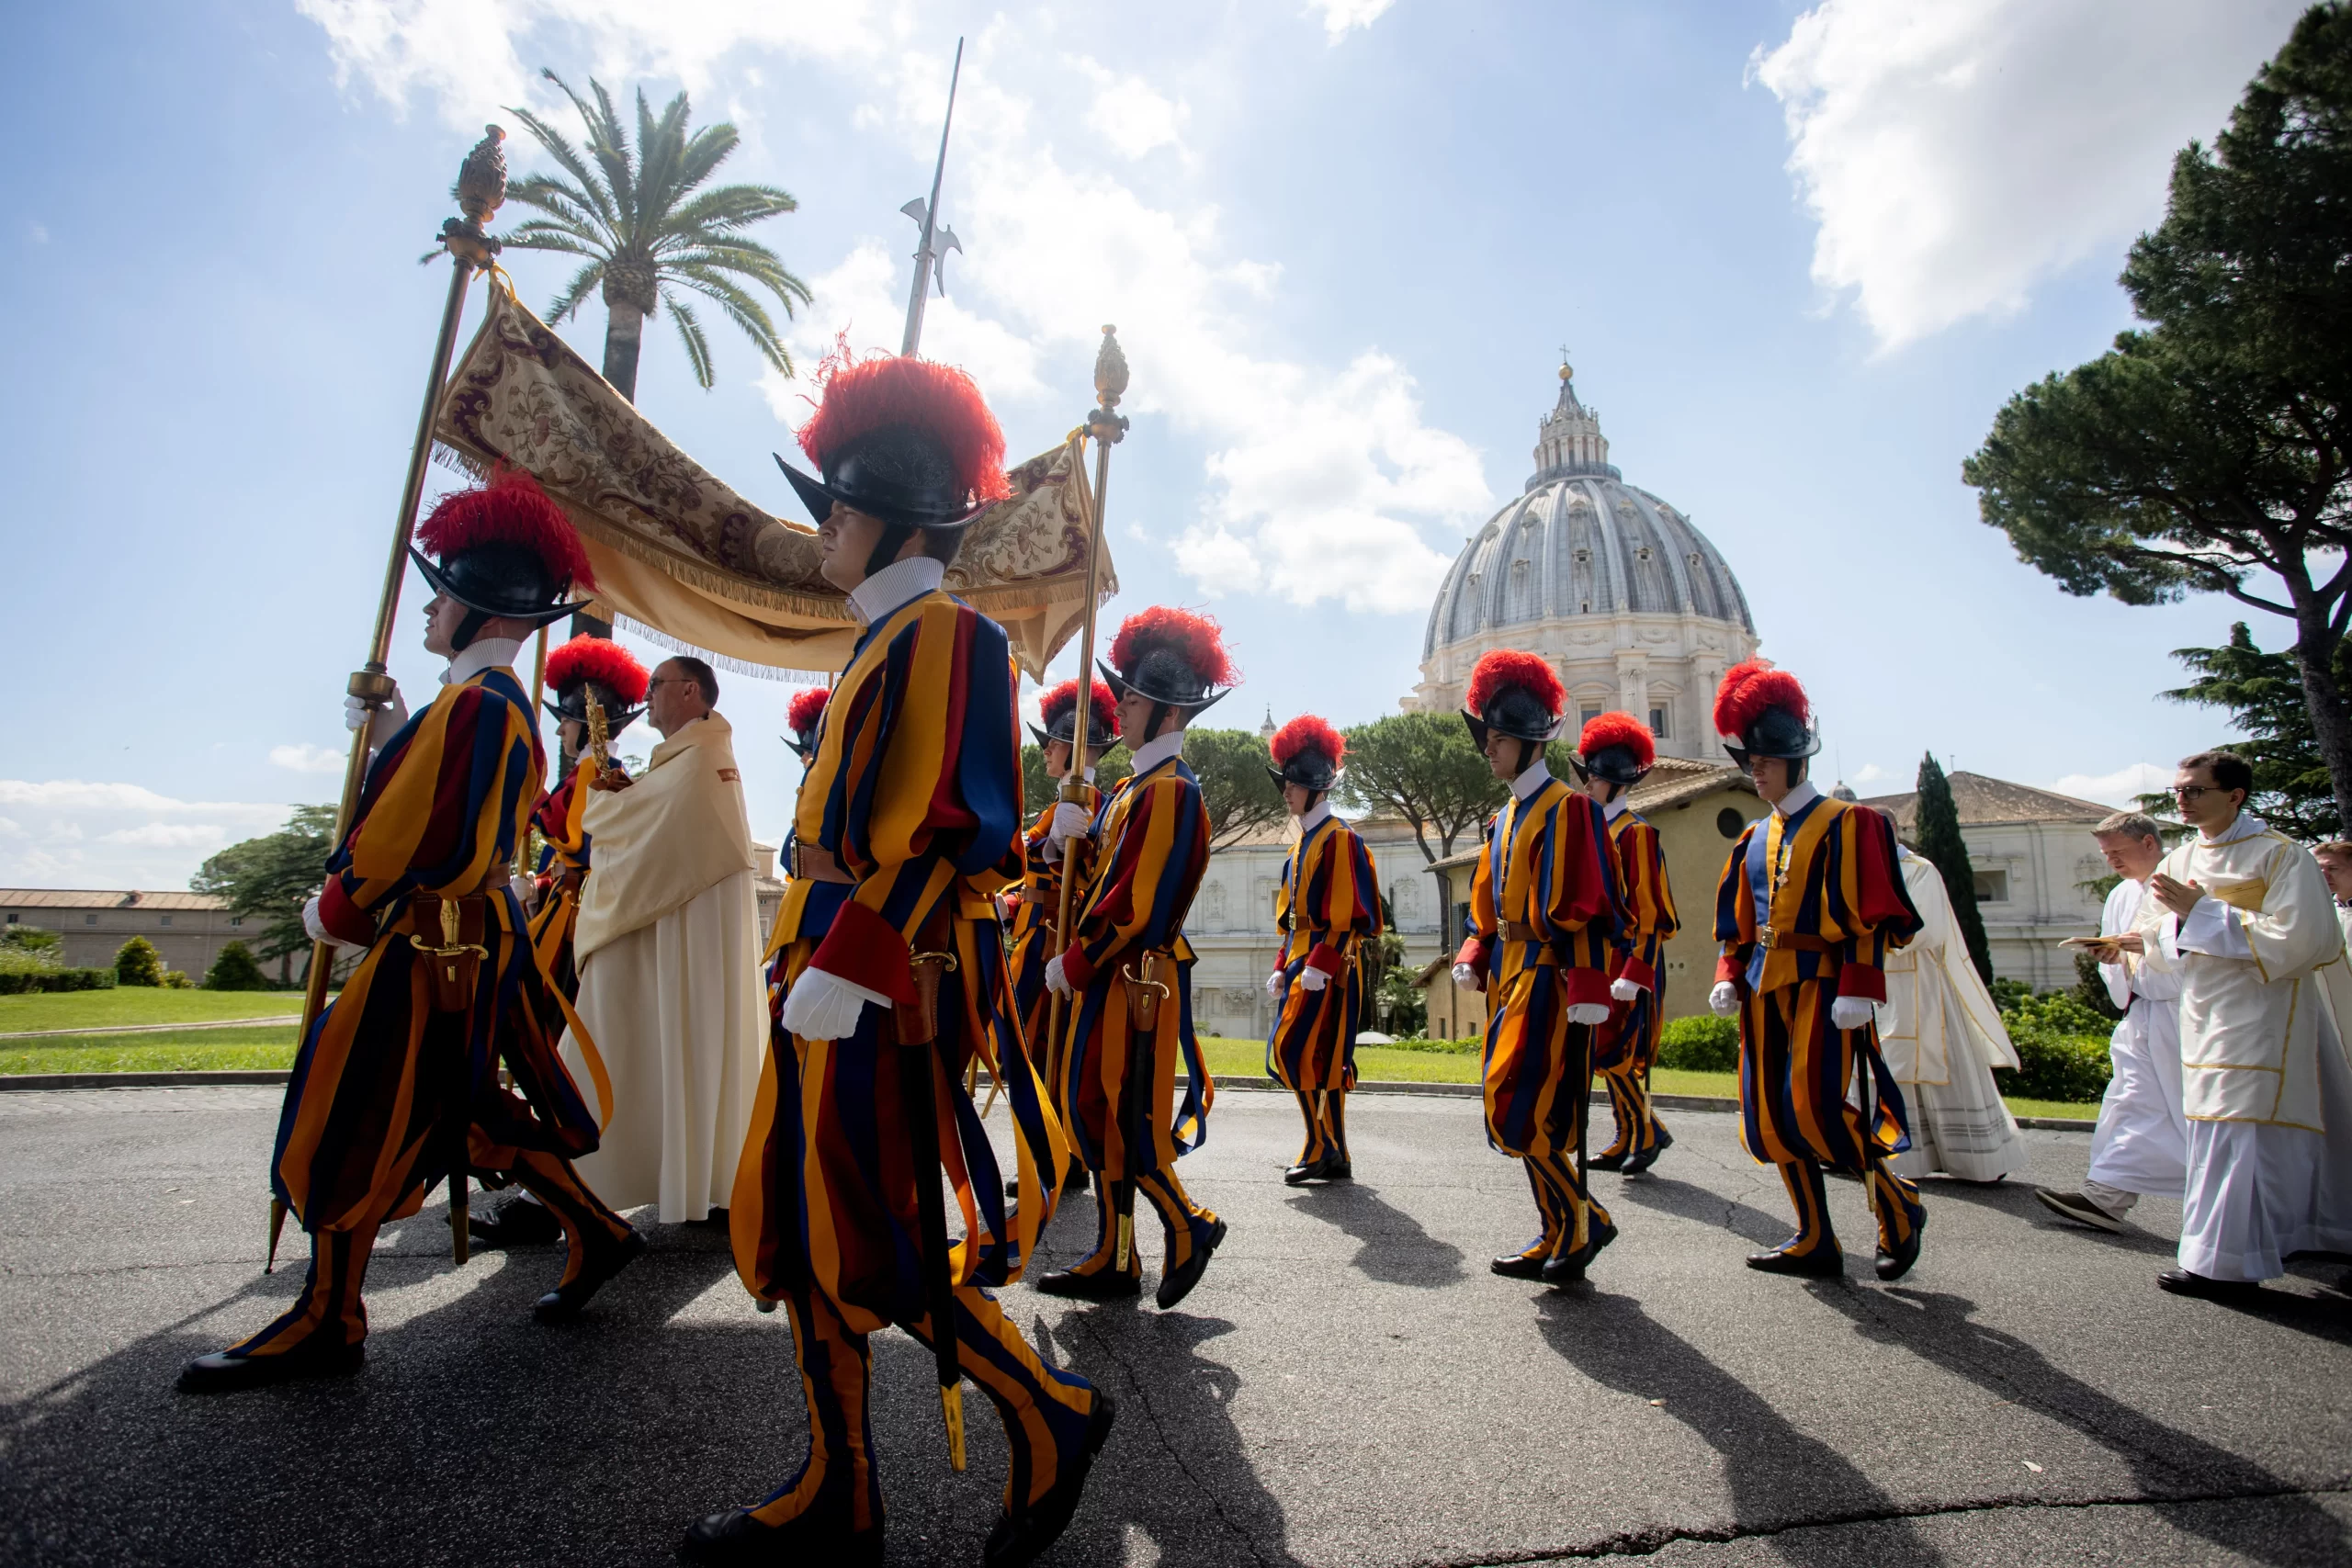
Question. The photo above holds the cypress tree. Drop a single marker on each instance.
(1939, 841)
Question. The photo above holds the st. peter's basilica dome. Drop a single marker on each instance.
(1634, 606)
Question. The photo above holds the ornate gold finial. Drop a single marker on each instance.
(1110, 369)
(482, 178)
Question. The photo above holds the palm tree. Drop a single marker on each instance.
(648, 233)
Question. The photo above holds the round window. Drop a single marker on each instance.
(1729, 822)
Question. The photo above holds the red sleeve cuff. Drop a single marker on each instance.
(350, 924)
(866, 950)
(1728, 967)
(1585, 986)
(1862, 980)
(1473, 954)
(1639, 972)
(1326, 958)
(1074, 968)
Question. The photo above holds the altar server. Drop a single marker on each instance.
(1547, 922)
(398, 1086)
(891, 983)
(2265, 1086)
(1942, 1036)
(1128, 969)
(2141, 1148)
(1327, 908)
(1614, 753)
(1812, 901)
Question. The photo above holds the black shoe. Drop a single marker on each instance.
(1824, 1262)
(733, 1536)
(1102, 1285)
(1892, 1266)
(714, 1221)
(222, 1372)
(1518, 1266)
(2181, 1282)
(564, 1302)
(1076, 1179)
(1024, 1536)
(1569, 1267)
(1613, 1160)
(514, 1222)
(1176, 1285)
(1648, 1157)
(1311, 1170)
(2079, 1207)
(1341, 1169)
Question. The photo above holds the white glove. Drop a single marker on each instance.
(1587, 1012)
(317, 928)
(382, 725)
(1274, 985)
(1056, 981)
(1625, 990)
(1466, 976)
(1723, 1001)
(1314, 979)
(825, 1006)
(1850, 1012)
(1071, 821)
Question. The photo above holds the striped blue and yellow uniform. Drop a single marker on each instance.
(1625, 1048)
(1327, 909)
(1153, 838)
(1808, 907)
(563, 869)
(1546, 921)
(915, 792)
(387, 1095)
(1032, 941)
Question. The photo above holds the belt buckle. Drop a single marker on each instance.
(1765, 939)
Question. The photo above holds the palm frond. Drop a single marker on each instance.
(690, 332)
(754, 262)
(543, 194)
(558, 242)
(608, 144)
(710, 147)
(745, 311)
(728, 207)
(657, 143)
(575, 292)
(562, 151)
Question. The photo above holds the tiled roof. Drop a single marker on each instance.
(1677, 780)
(1984, 802)
(103, 898)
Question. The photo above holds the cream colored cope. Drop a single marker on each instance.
(1937, 1001)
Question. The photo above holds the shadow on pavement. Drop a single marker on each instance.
(1176, 1470)
(1779, 1475)
(2163, 1461)
(1685, 1200)
(1396, 1250)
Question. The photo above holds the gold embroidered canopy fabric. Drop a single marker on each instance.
(677, 550)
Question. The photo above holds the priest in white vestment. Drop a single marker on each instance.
(1941, 1037)
(2265, 1081)
(2141, 1148)
(668, 947)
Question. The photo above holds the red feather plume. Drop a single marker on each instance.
(600, 659)
(1615, 728)
(1508, 667)
(1307, 733)
(857, 397)
(512, 510)
(1749, 688)
(1196, 637)
(1063, 697)
(807, 707)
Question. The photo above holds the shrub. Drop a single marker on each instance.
(136, 962)
(1469, 1045)
(36, 940)
(2057, 1012)
(2070, 1067)
(20, 982)
(1705, 1043)
(235, 968)
(177, 980)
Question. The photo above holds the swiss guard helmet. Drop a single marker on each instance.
(504, 549)
(1616, 746)
(1059, 709)
(802, 718)
(1767, 711)
(1173, 657)
(594, 664)
(905, 441)
(1513, 693)
(1308, 752)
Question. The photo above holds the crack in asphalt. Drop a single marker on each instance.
(1646, 1543)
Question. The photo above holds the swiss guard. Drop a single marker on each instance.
(1326, 909)
(892, 982)
(1545, 923)
(1039, 902)
(1616, 752)
(800, 720)
(1811, 902)
(582, 669)
(398, 1085)
(1129, 970)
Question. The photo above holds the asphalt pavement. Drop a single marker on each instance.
(1348, 1385)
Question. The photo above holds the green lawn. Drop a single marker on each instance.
(129, 1005)
(171, 1051)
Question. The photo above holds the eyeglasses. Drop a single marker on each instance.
(671, 681)
(2189, 795)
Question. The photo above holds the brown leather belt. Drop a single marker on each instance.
(1517, 930)
(1793, 942)
(817, 863)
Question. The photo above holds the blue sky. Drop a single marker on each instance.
(1799, 255)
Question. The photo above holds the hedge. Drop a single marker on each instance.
(1702, 1044)
(19, 982)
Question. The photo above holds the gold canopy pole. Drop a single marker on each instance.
(481, 190)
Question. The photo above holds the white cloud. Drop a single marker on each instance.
(2117, 788)
(1871, 772)
(79, 833)
(1342, 16)
(1955, 152)
(1130, 114)
(170, 835)
(39, 232)
(306, 758)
